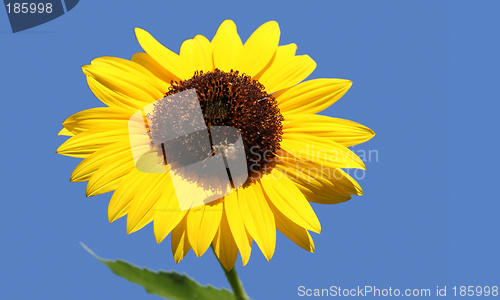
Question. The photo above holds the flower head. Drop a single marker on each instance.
(291, 155)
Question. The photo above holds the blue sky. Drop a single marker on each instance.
(419, 224)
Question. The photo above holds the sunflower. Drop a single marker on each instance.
(293, 155)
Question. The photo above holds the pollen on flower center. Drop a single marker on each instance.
(216, 108)
(233, 99)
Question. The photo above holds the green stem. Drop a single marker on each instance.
(234, 281)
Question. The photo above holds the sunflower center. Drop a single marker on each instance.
(235, 100)
(216, 109)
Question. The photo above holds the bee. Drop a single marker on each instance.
(225, 149)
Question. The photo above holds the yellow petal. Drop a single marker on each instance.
(294, 232)
(344, 132)
(87, 167)
(117, 81)
(286, 51)
(312, 96)
(192, 54)
(207, 51)
(324, 195)
(287, 72)
(327, 153)
(235, 221)
(198, 53)
(202, 224)
(109, 175)
(313, 174)
(132, 72)
(288, 199)
(113, 98)
(99, 116)
(258, 218)
(283, 54)
(224, 245)
(124, 194)
(227, 46)
(259, 49)
(320, 184)
(141, 210)
(347, 182)
(167, 213)
(179, 241)
(154, 67)
(165, 57)
(65, 132)
(88, 142)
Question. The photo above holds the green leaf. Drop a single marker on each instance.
(170, 285)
